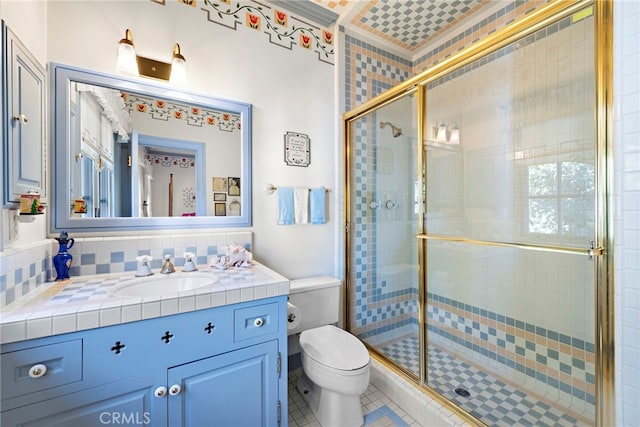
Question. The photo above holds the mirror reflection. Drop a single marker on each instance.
(137, 155)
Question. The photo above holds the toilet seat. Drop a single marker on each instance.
(334, 348)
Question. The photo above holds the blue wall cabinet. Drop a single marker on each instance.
(220, 366)
(23, 121)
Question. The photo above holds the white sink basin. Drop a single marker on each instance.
(159, 285)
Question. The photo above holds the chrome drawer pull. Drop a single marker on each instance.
(37, 371)
(258, 322)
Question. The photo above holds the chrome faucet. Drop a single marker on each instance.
(167, 266)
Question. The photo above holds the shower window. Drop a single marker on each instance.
(560, 198)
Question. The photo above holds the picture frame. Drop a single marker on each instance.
(219, 197)
(220, 184)
(220, 209)
(234, 208)
(297, 149)
(233, 186)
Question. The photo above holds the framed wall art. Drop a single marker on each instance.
(234, 186)
(297, 149)
(220, 209)
(220, 184)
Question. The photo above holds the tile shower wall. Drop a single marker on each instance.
(29, 268)
(369, 71)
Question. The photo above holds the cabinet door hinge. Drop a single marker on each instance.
(279, 413)
(279, 364)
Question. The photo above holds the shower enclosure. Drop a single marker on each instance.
(476, 224)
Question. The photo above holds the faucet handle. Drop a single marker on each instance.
(167, 267)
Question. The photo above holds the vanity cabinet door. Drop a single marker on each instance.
(235, 389)
(23, 120)
(126, 402)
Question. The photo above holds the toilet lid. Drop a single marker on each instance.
(334, 347)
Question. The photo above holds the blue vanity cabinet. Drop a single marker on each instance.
(220, 366)
(130, 402)
(233, 389)
(23, 121)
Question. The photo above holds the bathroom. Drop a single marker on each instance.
(298, 89)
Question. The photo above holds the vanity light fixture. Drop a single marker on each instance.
(454, 135)
(135, 65)
(441, 133)
(178, 68)
(126, 63)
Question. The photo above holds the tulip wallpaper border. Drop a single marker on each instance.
(192, 116)
(283, 29)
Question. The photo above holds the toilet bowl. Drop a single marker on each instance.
(336, 372)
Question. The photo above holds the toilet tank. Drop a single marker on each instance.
(318, 299)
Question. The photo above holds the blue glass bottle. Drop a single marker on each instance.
(62, 261)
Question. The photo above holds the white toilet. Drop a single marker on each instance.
(335, 363)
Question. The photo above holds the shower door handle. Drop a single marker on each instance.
(594, 251)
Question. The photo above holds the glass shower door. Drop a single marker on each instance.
(510, 171)
(383, 222)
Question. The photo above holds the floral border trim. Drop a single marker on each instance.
(193, 116)
(167, 160)
(283, 30)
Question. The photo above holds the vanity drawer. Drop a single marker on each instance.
(252, 322)
(40, 368)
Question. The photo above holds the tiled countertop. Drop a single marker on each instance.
(85, 302)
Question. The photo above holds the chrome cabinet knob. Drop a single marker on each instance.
(37, 371)
(160, 391)
(258, 322)
(175, 389)
(21, 118)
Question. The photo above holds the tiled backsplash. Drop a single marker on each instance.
(24, 270)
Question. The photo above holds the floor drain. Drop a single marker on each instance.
(462, 392)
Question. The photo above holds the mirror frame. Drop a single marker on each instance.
(60, 78)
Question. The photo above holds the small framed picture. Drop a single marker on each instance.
(220, 209)
(219, 197)
(220, 184)
(297, 149)
(234, 186)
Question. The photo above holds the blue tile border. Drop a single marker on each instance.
(381, 412)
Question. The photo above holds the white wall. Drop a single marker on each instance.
(626, 215)
(290, 90)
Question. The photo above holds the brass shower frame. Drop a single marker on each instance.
(603, 252)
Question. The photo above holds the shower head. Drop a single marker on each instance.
(394, 129)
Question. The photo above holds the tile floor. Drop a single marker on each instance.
(490, 399)
(378, 409)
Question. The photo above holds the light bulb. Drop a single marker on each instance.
(178, 68)
(126, 63)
